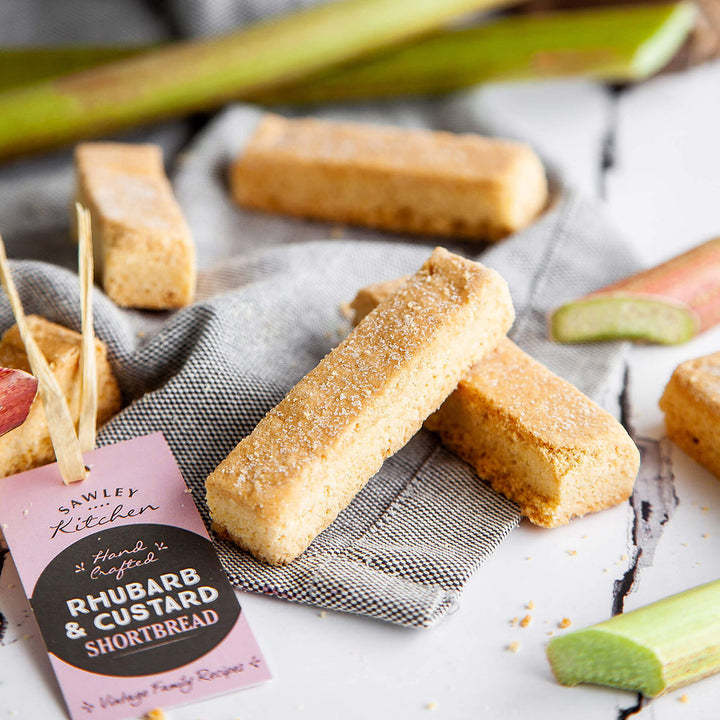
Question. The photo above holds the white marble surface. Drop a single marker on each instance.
(663, 192)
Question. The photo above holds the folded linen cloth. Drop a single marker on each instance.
(268, 311)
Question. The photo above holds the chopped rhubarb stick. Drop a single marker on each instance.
(652, 650)
(666, 304)
(17, 392)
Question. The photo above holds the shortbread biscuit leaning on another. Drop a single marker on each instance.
(29, 445)
(399, 179)
(532, 435)
(309, 456)
(691, 403)
(145, 255)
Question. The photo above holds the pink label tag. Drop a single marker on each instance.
(125, 585)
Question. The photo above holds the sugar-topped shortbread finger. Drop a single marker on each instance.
(532, 435)
(310, 455)
(691, 403)
(29, 445)
(145, 255)
(399, 179)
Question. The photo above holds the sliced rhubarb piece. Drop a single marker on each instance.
(624, 317)
(652, 650)
(17, 392)
(668, 304)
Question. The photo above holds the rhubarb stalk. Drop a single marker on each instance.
(609, 43)
(17, 393)
(652, 650)
(25, 65)
(666, 304)
(204, 74)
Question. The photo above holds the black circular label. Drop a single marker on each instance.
(134, 600)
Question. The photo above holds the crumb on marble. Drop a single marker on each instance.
(431, 706)
(526, 621)
(155, 714)
(530, 605)
(514, 646)
(346, 310)
(564, 623)
(684, 699)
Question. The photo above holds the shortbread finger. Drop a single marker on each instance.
(145, 254)
(29, 445)
(306, 460)
(691, 403)
(399, 179)
(532, 435)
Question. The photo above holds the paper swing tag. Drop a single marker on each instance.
(127, 590)
(125, 585)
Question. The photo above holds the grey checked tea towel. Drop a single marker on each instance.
(268, 311)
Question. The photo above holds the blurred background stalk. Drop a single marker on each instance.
(344, 50)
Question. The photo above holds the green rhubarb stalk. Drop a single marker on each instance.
(605, 43)
(652, 650)
(24, 65)
(204, 74)
(668, 304)
(610, 43)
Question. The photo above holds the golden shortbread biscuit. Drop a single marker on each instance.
(532, 435)
(29, 445)
(399, 179)
(145, 255)
(691, 403)
(309, 456)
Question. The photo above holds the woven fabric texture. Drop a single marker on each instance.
(268, 310)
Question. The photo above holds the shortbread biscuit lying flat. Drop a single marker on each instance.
(400, 179)
(532, 435)
(145, 254)
(309, 456)
(29, 445)
(691, 403)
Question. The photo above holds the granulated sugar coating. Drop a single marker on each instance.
(533, 436)
(309, 456)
